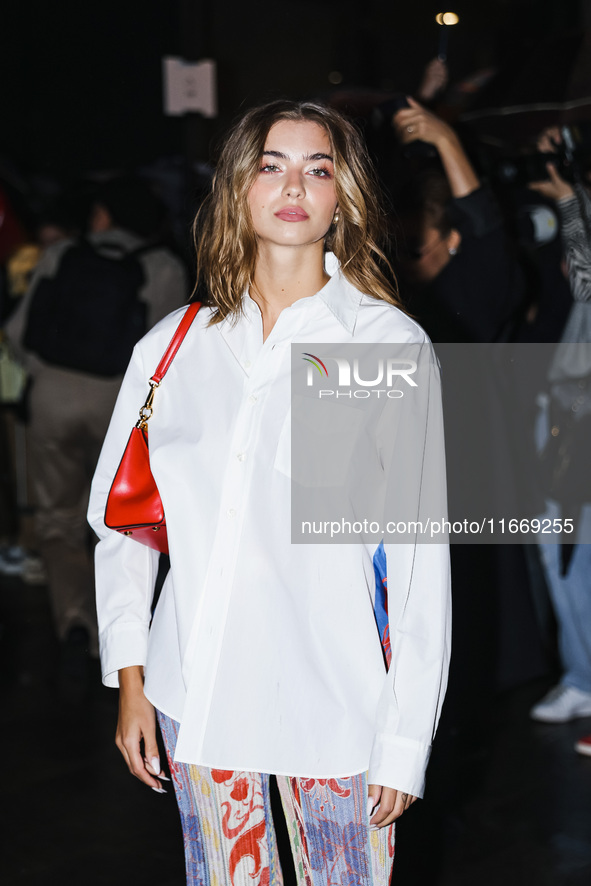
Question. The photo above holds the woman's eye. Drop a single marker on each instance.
(269, 167)
(321, 172)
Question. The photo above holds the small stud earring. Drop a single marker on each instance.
(335, 218)
(452, 250)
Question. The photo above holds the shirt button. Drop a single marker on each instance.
(241, 456)
(247, 364)
(253, 399)
(231, 512)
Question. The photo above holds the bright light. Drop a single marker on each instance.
(447, 18)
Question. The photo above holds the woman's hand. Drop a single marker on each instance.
(556, 188)
(549, 140)
(137, 723)
(435, 78)
(415, 122)
(392, 804)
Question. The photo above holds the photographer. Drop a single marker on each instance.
(574, 206)
(462, 281)
(568, 571)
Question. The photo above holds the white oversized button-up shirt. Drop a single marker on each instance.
(268, 653)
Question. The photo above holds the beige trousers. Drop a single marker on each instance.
(70, 413)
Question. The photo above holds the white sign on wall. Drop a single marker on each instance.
(189, 87)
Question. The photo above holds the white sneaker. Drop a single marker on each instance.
(561, 704)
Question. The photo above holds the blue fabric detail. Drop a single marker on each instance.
(380, 606)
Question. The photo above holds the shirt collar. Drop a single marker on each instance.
(340, 297)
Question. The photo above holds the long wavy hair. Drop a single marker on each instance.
(225, 239)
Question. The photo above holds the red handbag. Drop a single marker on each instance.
(134, 506)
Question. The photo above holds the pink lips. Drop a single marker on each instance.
(292, 214)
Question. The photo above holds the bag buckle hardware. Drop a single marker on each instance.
(147, 409)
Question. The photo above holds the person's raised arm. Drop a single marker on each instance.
(570, 203)
(415, 123)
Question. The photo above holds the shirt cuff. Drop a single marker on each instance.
(122, 646)
(399, 763)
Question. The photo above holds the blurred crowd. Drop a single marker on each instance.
(84, 279)
(491, 245)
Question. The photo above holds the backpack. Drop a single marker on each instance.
(88, 317)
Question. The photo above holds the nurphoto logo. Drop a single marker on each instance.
(386, 372)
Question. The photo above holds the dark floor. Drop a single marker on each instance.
(512, 807)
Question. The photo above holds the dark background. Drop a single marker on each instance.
(81, 85)
(81, 94)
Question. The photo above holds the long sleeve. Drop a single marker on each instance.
(419, 606)
(476, 214)
(574, 212)
(125, 570)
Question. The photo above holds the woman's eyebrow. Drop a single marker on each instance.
(281, 156)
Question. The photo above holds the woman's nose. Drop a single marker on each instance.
(294, 185)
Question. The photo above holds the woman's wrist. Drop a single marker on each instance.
(566, 194)
(131, 677)
(446, 140)
(461, 176)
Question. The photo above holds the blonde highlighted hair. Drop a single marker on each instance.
(225, 239)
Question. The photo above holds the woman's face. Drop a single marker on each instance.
(433, 255)
(293, 201)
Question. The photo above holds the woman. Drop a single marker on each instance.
(265, 656)
(566, 566)
(464, 284)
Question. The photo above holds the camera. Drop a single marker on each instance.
(572, 156)
(529, 168)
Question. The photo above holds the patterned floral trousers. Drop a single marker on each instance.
(230, 838)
